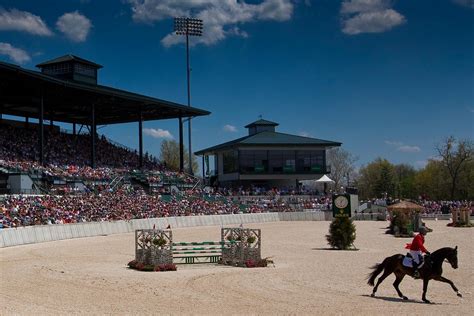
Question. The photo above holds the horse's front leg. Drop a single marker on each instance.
(443, 279)
(425, 288)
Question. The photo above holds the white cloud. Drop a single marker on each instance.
(466, 3)
(230, 128)
(359, 6)
(74, 25)
(402, 147)
(16, 54)
(15, 20)
(369, 16)
(221, 18)
(409, 149)
(305, 134)
(394, 143)
(158, 133)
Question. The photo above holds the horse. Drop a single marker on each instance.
(431, 270)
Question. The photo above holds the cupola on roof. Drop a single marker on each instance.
(71, 67)
(261, 125)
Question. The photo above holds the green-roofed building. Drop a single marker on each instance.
(267, 158)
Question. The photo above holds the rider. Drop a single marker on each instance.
(417, 249)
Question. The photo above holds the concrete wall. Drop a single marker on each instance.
(36, 234)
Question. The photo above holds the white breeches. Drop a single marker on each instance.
(415, 254)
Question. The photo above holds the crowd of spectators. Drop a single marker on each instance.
(21, 210)
(255, 190)
(63, 149)
(445, 207)
(67, 156)
(431, 207)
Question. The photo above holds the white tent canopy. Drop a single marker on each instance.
(325, 179)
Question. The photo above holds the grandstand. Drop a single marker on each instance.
(49, 175)
(67, 90)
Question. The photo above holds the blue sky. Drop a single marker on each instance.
(386, 78)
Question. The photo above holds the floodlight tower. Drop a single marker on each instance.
(188, 27)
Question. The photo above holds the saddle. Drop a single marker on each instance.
(408, 261)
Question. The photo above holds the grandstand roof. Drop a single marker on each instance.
(68, 101)
(268, 138)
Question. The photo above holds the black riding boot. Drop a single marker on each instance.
(416, 273)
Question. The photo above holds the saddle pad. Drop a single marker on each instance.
(407, 262)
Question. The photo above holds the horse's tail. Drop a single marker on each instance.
(378, 268)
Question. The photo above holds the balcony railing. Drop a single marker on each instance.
(286, 170)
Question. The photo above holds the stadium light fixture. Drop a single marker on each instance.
(188, 27)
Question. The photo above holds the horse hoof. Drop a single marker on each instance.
(459, 294)
(372, 295)
(405, 298)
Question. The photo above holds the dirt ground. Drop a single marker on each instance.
(89, 276)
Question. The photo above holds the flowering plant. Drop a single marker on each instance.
(134, 264)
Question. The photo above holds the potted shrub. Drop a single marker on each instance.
(251, 240)
(160, 242)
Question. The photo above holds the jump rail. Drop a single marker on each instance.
(198, 252)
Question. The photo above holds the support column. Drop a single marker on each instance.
(27, 122)
(140, 139)
(93, 130)
(73, 128)
(181, 149)
(41, 131)
(203, 167)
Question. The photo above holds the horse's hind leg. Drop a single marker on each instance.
(398, 280)
(380, 280)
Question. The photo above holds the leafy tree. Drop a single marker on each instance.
(431, 182)
(466, 182)
(170, 156)
(342, 165)
(405, 178)
(376, 179)
(385, 184)
(342, 233)
(455, 157)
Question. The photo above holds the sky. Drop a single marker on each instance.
(387, 78)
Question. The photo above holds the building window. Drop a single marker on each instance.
(310, 161)
(57, 69)
(253, 161)
(229, 159)
(85, 70)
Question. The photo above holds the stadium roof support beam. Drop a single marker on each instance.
(140, 138)
(93, 131)
(181, 149)
(41, 130)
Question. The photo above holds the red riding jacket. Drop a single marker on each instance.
(417, 244)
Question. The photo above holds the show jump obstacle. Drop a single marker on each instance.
(237, 246)
(461, 217)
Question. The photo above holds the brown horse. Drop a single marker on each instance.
(432, 269)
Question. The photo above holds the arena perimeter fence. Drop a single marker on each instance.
(43, 233)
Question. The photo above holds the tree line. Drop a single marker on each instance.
(448, 176)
